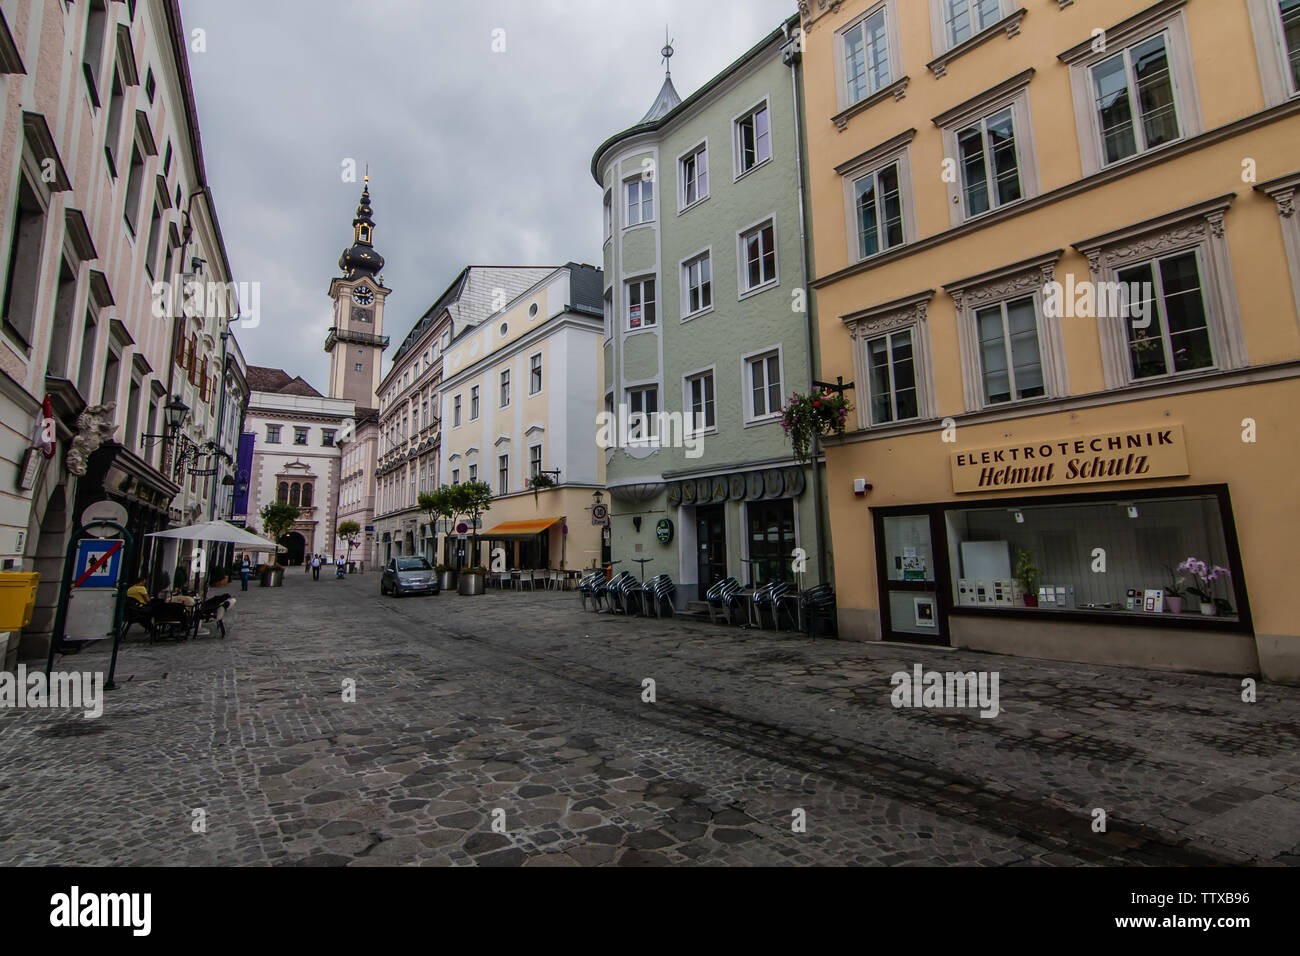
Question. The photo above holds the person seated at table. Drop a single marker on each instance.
(140, 590)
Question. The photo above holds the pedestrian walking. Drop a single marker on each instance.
(245, 569)
(315, 567)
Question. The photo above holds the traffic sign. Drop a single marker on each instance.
(599, 513)
(100, 511)
(99, 562)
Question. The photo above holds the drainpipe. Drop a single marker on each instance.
(793, 57)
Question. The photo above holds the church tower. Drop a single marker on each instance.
(356, 342)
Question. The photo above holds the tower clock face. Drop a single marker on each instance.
(362, 295)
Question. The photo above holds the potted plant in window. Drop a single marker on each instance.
(1204, 574)
(1027, 577)
(539, 482)
(277, 518)
(808, 417)
(1174, 592)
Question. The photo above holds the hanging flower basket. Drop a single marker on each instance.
(812, 416)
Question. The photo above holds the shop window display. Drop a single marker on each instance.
(1105, 555)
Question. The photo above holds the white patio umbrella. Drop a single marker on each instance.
(221, 532)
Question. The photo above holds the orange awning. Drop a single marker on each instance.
(511, 530)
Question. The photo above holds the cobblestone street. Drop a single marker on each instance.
(524, 703)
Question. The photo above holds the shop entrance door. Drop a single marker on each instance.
(913, 599)
(711, 535)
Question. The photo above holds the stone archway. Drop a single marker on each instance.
(297, 548)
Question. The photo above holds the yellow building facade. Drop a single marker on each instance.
(519, 396)
(1056, 252)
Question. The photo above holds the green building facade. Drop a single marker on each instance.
(707, 331)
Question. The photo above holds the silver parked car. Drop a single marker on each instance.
(410, 575)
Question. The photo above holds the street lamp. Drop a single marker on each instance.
(175, 412)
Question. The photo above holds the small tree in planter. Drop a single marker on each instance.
(277, 518)
(439, 505)
(349, 532)
(806, 418)
(471, 500)
(1027, 577)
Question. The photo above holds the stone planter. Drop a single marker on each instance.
(447, 580)
(470, 583)
(272, 577)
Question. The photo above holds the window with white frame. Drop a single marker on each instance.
(865, 57)
(1011, 367)
(763, 377)
(640, 200)
(963, 19)
(700, 402)
(503, 474)
(640, 296)
(455, 412)
(473, 473)
(878, 210)
(455, 476)
(697, 285)
(473, 403)
(273, 434)
(990, 163)
(1276, 26)
(694, 176)
(534, 460)
(1168, 327)
(1289, 11)
(753, 139)
(535, 374)
(758, 257)
(505, 387)
(891, 373)
(1135, 104)
(643, 413)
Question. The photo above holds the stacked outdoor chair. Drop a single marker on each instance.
(719, 597)
(587, 587)
(657, 593)
(620, 591)
(806, 609)
(610, 593)
(767, 600)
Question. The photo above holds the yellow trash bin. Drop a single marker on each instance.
(17, 599)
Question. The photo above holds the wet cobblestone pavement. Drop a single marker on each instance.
(525, 710)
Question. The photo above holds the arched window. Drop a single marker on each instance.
(283, 495)
(293, 493)
(306, 495)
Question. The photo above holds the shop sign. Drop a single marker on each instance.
(664, 530)
(1129, 454)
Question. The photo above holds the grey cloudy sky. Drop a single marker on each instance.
(475, 156)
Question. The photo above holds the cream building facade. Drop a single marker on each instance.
(520, 395)
(410, 428)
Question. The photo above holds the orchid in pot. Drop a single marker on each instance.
(1204, 575)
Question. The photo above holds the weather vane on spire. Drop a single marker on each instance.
(667, 53)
